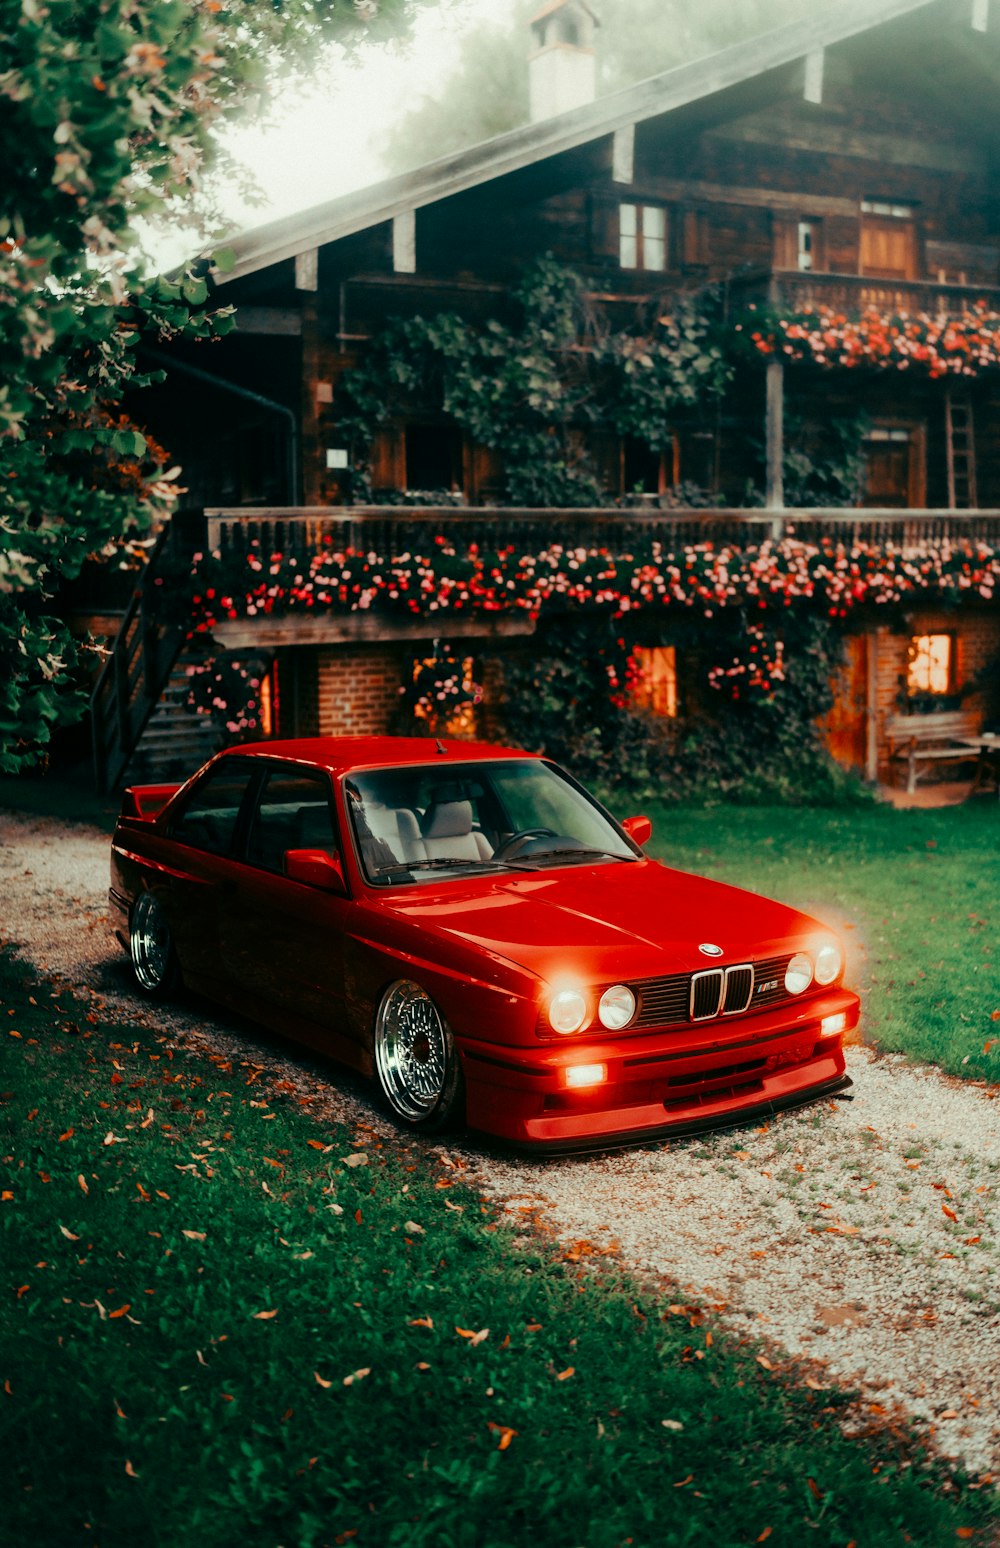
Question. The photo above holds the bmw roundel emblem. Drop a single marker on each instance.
(709, 949)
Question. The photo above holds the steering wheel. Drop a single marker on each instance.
(513, 846)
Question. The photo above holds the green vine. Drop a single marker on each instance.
(530, 387)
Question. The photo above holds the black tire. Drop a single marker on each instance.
(417, 1066)
(151, 948)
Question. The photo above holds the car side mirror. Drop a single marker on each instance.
(639, 829)
(315, 868)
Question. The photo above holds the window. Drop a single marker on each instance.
(642, 236)
(433, 457)
(807, 246)
(655, 686)
(895, 472)
(293, 812)
(931, 665)
(212, 810)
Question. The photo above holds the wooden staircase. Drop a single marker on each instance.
(140, 722)
(961, 450)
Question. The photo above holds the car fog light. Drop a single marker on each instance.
(798, 973)
(567, 1010)
(831, 1025)
(579, 1075)
(617, 1007)
(828, 963)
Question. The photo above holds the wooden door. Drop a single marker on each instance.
(845, 723)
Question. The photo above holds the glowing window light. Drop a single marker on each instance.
(930, 664)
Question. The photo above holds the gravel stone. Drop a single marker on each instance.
(860, 1235)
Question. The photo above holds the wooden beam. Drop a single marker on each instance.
(284, 320)
(345, 628)
(813, 91)
(833, 139)
(404, 242)
(980, 15)
(623, 154)
(307, 269)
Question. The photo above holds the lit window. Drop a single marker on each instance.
(931, 664)
(807, 245)
(654, 685)
(642, 236)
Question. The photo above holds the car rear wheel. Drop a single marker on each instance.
(416, 1060)
(151, 946)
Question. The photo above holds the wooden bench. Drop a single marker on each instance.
(923, 741)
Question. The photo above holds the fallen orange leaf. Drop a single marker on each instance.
(194, 1236)
(365, 1370)
(66, 1136)
(120, 1312)
(130, 1470)
(970, 1241)
(264, 1316)
(567, 1373)
(681, 1482)
(949, 1212)
(316, 1144)
(764, 1535)
(82, 1181)
(504, 1431)
(765, 1362)
(814, 1489)
(321, 1380)
(6, 1195)
(422, 1322)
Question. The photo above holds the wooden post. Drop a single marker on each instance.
(871, 706)
(775, 435)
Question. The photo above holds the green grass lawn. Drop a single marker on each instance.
(221, 1324)
(916, 895)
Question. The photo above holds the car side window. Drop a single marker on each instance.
(210, 813)
(292, 811)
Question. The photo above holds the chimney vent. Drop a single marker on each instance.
(562, 65)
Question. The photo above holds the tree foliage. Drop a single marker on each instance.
(486, 91)
(106, 115)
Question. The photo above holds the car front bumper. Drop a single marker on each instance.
(662, 1083)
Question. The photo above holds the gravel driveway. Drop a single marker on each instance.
(861, 1235)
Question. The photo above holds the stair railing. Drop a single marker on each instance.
(137, 669)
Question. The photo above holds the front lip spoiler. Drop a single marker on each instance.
(685, 1127)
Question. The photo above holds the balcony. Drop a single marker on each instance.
(856, 293)
(393, 530)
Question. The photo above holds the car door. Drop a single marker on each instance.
(282, 941)
(197, 866)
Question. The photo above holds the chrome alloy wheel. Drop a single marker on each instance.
(411, 1051)
(151, 945)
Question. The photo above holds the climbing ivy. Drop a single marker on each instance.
(528, 386)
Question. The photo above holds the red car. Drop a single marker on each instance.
(467, 924)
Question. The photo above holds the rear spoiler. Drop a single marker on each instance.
(146, 801)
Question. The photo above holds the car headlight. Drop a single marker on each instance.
(798, 973)
(829, 962)
(617, 1007)
(567, 1010)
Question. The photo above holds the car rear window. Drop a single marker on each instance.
(211, 811)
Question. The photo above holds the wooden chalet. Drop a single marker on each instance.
(848, 162)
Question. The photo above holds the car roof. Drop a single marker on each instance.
(340, 753)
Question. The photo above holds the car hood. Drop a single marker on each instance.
(604, 922)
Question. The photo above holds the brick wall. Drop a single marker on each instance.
(357, 688)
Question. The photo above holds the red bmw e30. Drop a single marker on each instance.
(467, 924)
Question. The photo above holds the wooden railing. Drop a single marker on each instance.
(393, 530)
(854, 293)
(136, 671)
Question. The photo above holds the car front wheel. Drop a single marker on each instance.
(416, 1061)
(151, 947)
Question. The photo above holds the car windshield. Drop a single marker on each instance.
(417, 823)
